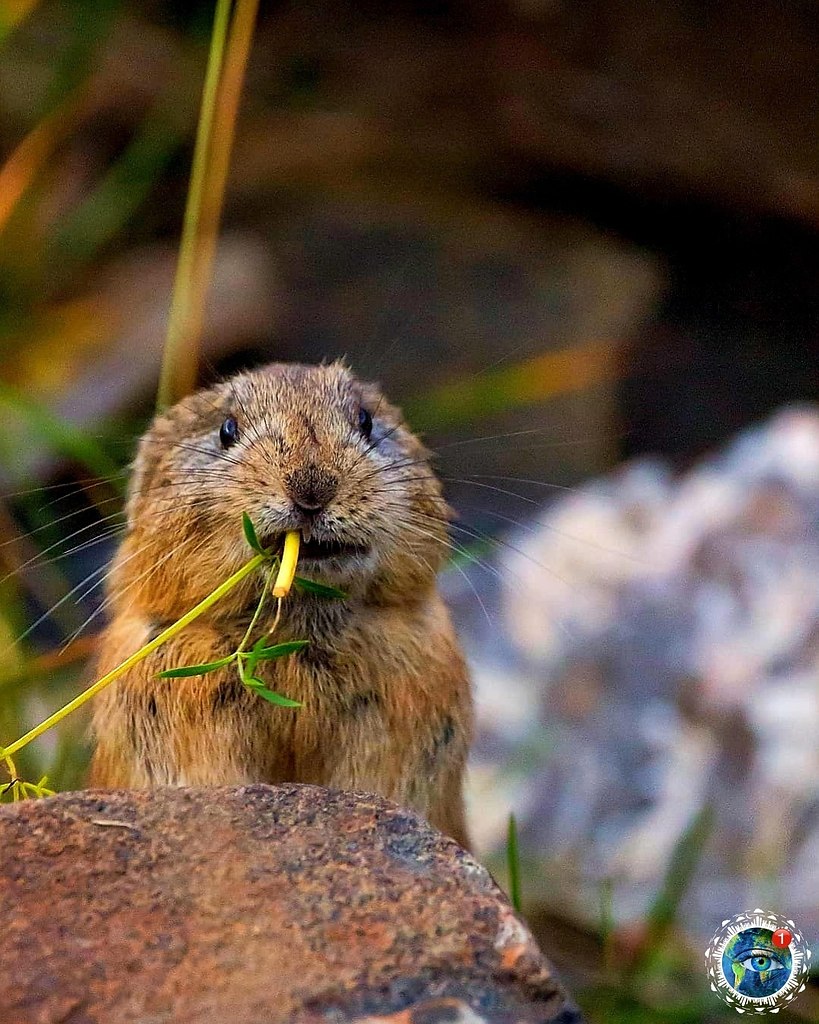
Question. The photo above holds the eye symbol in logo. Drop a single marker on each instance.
(753, 966)
(757, 962)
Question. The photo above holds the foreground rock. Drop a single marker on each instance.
(259, 904)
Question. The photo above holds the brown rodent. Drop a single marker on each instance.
(386, 700)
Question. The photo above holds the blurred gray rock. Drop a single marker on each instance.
(656, 649)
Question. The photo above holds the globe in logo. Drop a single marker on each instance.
(757, 962)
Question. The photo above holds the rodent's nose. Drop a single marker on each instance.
(311, 488)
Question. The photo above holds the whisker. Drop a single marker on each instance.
(411, 520)
(498, 542)
(53, 487)
(564, 443)
(46, 615)
(459, 568)
(40, 556)
(221, 456)
(108, 534)
(395, 464)
(53, 523)
(105, 604)
(504, 490)
(531, 527)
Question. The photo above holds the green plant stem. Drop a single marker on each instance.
(240, 667)
(257, 613)
(177, 358)
(607, 929)
(14, 782)
(513, 863)
(142, 653)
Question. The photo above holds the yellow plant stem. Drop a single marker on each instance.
(287, 569)
(12, 12)
(213, 190)
(214, 143)
(134, 659)
(21, 790)
(179, 360)
(12, 770)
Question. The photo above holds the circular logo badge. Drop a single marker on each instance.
(757, 962)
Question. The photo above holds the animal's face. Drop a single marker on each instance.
(306, 448)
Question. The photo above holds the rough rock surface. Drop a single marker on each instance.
(257, 904)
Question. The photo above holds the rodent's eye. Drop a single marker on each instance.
(365, 423)
(229, 432)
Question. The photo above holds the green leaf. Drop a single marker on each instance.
(248, 659)
(513, 863)
(250, 534)
(259, 652)
(279, 650)
(311, 587)
(257, 686)
(196, 670)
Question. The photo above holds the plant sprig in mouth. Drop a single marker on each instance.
(246, 660)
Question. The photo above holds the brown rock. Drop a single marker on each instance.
(258, 904)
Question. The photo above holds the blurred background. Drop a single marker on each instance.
(578, 243)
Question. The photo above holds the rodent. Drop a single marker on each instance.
(383, 683)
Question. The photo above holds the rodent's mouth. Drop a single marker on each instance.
(319, 550)
(315, 550)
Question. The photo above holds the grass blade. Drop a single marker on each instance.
(175, 376)
(537, 379)
(607, 929)
(214, 141)
(250, 534)
(681, 867)
(63, 437)
(11, 14)
(513, 863)
(117, 198)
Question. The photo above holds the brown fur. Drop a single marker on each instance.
(387, 707)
